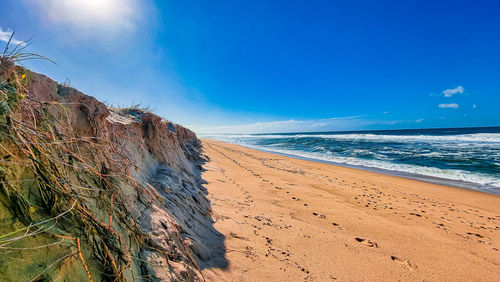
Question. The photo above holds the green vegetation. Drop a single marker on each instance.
(18, 54)
(57, 199)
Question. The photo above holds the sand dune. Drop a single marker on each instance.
(286, 219)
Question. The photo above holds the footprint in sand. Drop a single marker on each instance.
(404, 262)
(236, 236)
(319, 215)
(337, 225)
(475, 234)
(368, 243)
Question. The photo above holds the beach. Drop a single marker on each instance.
(286, 219)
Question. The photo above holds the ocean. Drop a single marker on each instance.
(462, 157)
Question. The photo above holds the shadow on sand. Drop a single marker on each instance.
(185, 199)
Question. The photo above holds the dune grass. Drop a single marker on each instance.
(51, 184)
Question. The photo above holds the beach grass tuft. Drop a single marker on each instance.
(47, 178)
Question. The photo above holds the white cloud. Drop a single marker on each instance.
(419, 120)
(449, 106)
(474, 106)
(450, 92)
(5, 36)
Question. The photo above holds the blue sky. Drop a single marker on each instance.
(275, 66)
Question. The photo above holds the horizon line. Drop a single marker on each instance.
(350, 131)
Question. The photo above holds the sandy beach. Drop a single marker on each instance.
(286, 219)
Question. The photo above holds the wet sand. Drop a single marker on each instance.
(287, 219)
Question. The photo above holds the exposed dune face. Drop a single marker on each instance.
(121, 193)
(290, 220)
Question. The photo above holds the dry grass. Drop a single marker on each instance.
(48, 178)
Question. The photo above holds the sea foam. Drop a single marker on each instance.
(470, 155)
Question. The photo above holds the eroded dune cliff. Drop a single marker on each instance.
(89, 192)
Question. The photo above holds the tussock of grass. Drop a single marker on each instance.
(18, 54)
(134, 111)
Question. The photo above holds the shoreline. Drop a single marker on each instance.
(420, 177)
(408, 175)
(285, 218)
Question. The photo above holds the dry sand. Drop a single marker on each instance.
(286, 219)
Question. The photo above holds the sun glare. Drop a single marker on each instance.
(98, 10)
(91, 13)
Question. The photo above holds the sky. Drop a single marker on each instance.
(274, 66)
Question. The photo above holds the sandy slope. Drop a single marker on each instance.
(286, 219)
